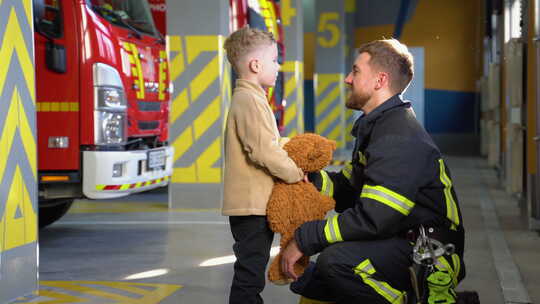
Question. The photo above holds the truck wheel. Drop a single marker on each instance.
(53, 210)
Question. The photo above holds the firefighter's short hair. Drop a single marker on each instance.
(244, 41)
(392, 57)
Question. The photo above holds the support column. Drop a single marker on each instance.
(330, 71)
(18, 172)
(201, 77)
(293, 67)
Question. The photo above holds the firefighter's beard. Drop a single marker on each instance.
(357, 100)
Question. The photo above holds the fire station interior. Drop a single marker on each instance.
(112, 115)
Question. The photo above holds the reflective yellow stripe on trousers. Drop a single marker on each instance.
(365, 270)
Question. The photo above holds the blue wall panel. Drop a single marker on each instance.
(450, 111)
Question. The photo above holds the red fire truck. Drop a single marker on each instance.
(102, 99)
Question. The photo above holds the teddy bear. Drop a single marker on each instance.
(291, 205)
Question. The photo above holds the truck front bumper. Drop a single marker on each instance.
(132, 172)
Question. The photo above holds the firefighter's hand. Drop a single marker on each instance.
(289, 257)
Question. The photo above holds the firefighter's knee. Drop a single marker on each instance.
(326, 263)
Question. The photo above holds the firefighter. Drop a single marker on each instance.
(396, 183)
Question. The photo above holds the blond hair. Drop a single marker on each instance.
(244, 41)
(392, 57)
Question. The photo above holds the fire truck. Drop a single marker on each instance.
(102, 100)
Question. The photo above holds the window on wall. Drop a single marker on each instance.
(51, 23)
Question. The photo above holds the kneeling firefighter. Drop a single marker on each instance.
(396, 190)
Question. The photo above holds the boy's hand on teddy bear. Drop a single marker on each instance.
(306, 179)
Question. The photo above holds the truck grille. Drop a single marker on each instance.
(148, 125)
(149, 106)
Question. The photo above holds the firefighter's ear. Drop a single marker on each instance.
(382, 80)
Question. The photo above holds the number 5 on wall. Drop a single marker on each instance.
(326, 25)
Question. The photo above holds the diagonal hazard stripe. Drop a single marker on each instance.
(199, 44)
(202, 81)
(182, 143)
(19, 219)
(294, 95)
(28, 10)
(198, 68)
(225, 91)
(16, 120)
(177, 63)
(207, 174)
(13, 41)
(335, 134)
(207, 118)
(180, 105)
(290, 86)
(52, 297)
(323, 125)
(290, 114)
(327, 101)
(324, 80)
(87, 291)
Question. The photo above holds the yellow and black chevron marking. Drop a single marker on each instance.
(136, 67)
(18, 180)
(330, 107)
(294, 94)
(196, 128)
(108, 292)
(45, 106)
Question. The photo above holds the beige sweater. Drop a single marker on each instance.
(253, 153)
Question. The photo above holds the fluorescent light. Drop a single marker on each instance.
(147, 274)
(228, 259)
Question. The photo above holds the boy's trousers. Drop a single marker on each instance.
(253, 239)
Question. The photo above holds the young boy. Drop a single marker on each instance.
(253, 156)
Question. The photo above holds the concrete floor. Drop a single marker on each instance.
(92, 252)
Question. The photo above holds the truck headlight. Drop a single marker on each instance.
(111, 128)
(110, 106)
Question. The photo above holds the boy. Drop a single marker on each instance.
(253, 156)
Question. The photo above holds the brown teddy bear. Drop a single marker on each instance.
(291, 205)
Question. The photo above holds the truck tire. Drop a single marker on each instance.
(53, 210)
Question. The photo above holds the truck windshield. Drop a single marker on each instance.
(127, 13)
